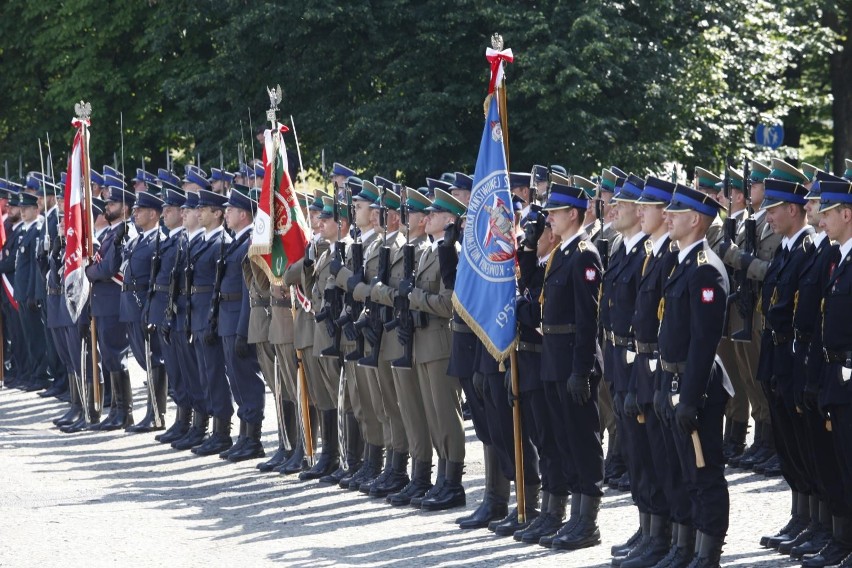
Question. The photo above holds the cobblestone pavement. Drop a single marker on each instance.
(104, 499)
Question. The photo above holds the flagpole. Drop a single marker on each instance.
(520, 490)
(90, 238)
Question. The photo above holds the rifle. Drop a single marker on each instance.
(188, 277)
(376, 314)
(730, 222)
(746, 293)
(333, 296)
(174, 285)
(155, 269)
(602, 244)
(213, 317)
(406, 318)
(352, 309)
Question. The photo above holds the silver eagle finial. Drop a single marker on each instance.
(83, 110)
(497, 42)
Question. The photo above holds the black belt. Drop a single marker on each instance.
(281, 303)
(161, 287)
(460, 327)
(618, 340)
(646, 347)
(675, 368)
(259, 302)
(531, 347)
(844, 357)
(779, 338)
(54, 291)
(200, 289)
(133, 288)
(551, 329)
(802, 337)
(230, 297)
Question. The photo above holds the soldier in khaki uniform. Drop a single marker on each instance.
(441, 393)
(363, 427)
(405, 380)
(746, 354)
(303, 335)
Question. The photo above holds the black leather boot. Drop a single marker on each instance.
(354, 451)
(655, 549)
(298, 461)
(838, 548)
(819, 538)
(161, 387)
(736, 443)
(623, 549)
(542, 517)
(368, 484)
(396, 480)
(123, 398)
(561, 529)
(451, 494)
(794, 526)
(81, 424)
(684, 550)
(421, 482)
(756, 445)
(113, 407)
(286, 415)
(73, 414)
(639, 544)
(183, 419)
(786, 546)
(440, 479)
(329, 458)
(764, 452)
(252, 447)
(196, 433)
(510, 524)
(495, 499)
(219, 439)
(241, 440)
(665, 561)
(585, 533)
(369, 470)
(708, 552)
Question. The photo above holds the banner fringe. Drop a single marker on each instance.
(483, 336)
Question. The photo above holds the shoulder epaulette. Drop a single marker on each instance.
(702, 258)
(582, 245)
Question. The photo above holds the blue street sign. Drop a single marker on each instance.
(770, 136)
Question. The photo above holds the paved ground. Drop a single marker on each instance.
(100, 499)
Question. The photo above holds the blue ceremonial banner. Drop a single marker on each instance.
(485, 280)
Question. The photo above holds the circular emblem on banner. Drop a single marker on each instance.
(489, 241)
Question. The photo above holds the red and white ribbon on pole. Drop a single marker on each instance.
(76, 283)
(496, 59)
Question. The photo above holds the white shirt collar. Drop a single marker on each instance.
(16, 225)
(628, 245)
(241, 231)
(788, 242)
(681, 256)
(606, 226)
(51, 210)
(845, 248)
(758, 214)
(736, 215)
(210, 234)
(434, 245)
(818, 238)
(367, 234)
(195, 233)
(149, 232)
(176, 231)
(30, 224)
(542, 260)
(570, 240)
(658, 244)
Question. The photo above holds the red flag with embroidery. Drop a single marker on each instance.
(76, 224)
(7, 285)
(280, 229)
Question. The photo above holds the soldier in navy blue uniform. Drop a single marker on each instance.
(557, 472)
(819, 457)
(155, 311)
(139, 255)
(11, 320)
(30, 295)
(204, 266)
(178, 330)
(571, 361)
(48, 193)
(104, 273)
(241, 364)
(651, 447)
(784, 204)
(833, 390)
(693, 313)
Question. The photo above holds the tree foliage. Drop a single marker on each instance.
(396, 87)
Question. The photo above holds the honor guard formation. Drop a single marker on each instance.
(670, 316)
